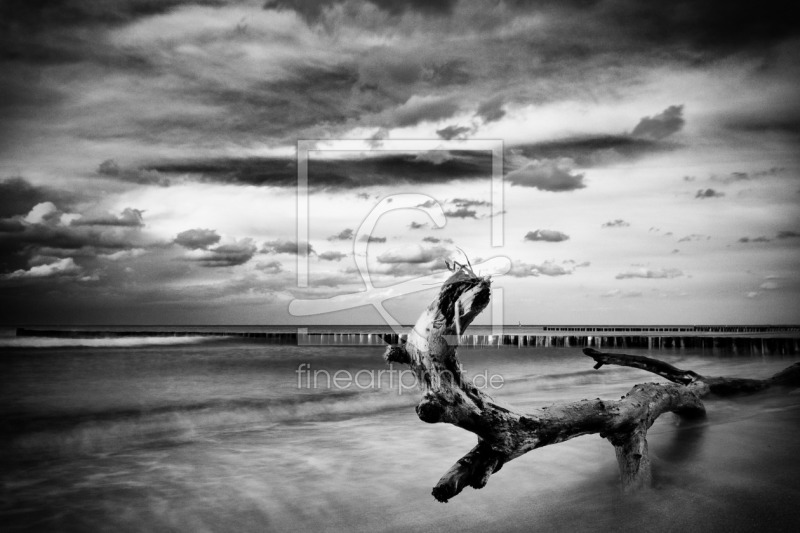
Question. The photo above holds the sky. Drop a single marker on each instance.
(149, 160)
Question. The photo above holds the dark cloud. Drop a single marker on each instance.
(788, 234)
(18, 196)
(344, 235)
(756, 239)
(708, 193)
(546, 235)
(43, 233)
(662, 125)
(423, 109)
(344, 173)
(312, 9)
(306, 97)
(464, 202)
(453, 132)
(593, 150)
(618, 223)
(128, 218)
(461, 212)
(788, 122)
(433, 240)
(712, 26)
(57, 268)
(372, 238)
(547, 175)
(59, 237)
(198, 238)
(280, 246)
(270, 267)
(417, 225)
(491, 110)
(43, 13)
(224, 255)
(446, 73)
(332, 256)
(12, 225)
(110, 168)
(646, 273)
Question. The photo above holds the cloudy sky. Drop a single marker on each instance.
(148, 158)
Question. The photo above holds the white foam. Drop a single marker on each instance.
(104, 342)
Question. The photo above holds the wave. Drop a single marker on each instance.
(104, 342)
(172, 425)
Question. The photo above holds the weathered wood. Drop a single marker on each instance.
(702, 385)
(505, 433)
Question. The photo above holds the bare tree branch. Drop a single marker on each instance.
(505, 433)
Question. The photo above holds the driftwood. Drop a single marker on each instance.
(505, 433)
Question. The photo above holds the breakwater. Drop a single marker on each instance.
(785, 340)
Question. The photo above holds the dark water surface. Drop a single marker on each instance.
(215, 435)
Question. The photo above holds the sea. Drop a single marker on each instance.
(213, 433)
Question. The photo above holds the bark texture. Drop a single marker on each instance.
(505, 433)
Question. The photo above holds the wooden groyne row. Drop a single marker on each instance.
(675, 329)
(764, 345)
(745, 344)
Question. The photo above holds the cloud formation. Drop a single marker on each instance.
(708, 193)
(283, 246)
(197, 239)
(547, 175)
(331, 256)
(491, 110)
(333, 174)
(128, 218)
(453, 132)
(546, 235)
(110, 168)
(224, 255)
(661, 125)
(618, 223)
(59, 268)
(344, 235)
(270, 267)
(423, 109)
(17, 196)
(461, 212)
(647, 273)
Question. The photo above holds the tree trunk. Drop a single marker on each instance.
(505, 433)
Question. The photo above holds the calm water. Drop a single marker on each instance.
(215, 435)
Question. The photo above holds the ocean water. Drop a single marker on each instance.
(215, 434)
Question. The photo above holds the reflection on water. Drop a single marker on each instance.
(217, 436)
